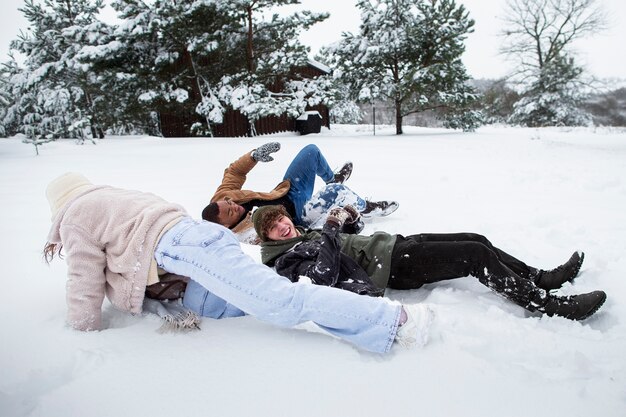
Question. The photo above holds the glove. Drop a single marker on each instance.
(354, 214)
(353, 228)
(337, 216)
(262, 153)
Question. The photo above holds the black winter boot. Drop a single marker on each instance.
(342, 175)
(573, 307)
(555, 278)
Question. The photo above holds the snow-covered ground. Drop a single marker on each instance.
(539, 194)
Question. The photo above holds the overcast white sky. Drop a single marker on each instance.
(604, 55)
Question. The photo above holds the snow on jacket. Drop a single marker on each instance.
(372, 253)
(109, 236)
(322, 262)
(231, 188)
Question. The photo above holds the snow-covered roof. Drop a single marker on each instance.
(306, 114)
(320, 66)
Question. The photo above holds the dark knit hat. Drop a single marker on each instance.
(264, 216)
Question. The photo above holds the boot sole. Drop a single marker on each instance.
(578, 266)
(594, 309)
(347, 177)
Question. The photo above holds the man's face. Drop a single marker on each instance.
(282, 229)
(230, 213)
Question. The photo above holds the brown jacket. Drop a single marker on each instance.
(109, 236)
(230, 189)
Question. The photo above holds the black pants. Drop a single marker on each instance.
(426, 258)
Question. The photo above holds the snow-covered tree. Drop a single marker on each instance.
(497, 99)
(9, 121)
(408, 52)
(538, 38)
(267, 84)
(270, 40)
(155, 60)
(554, 99)
(54, 94)
(346, 112)
(197, 59)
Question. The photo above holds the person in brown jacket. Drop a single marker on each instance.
(231, 206)
(115, 241)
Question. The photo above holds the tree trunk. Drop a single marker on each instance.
(97, 132)
(398, 118)
(198, 89)
(94, 125)
(249, 46)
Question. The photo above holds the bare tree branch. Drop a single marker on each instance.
(539, 31)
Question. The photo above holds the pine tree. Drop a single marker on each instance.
(197, 59)
(55, 95)
(409, 52)
(554, 99)
(266, 84)
(155, 61)
(9, 119)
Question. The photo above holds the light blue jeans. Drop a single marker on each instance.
(308, 164)
(315, 210)
(211, 256)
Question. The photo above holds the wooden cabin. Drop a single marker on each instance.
(236, 124)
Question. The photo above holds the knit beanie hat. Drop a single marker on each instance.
(64, 188)
(264, 216)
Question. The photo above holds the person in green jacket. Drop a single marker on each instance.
(399, 262)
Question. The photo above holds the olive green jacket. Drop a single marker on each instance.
(372, 253)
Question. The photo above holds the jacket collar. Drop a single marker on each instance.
(273, 249)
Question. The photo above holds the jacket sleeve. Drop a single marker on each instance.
(325, 270)
(86, 281)
(318, 260)
(234, 177)
(322, 262)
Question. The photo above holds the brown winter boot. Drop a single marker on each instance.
(342, 175)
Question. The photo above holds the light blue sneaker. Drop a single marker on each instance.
(379, 208)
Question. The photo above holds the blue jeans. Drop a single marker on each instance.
(307, 164)
(211, 256)
(207, 304)
(315, 210)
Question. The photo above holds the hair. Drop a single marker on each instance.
(50, 250)
(211, 212)
(268, 216)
